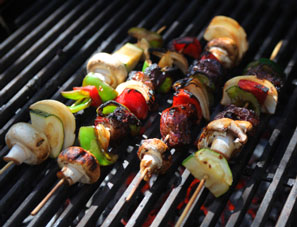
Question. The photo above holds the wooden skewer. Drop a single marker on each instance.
(160, 30)
(6, 167)
(201, 184)
(141, 177)
(41, 204)
(189, 205)
(276, 50)
(137, 184)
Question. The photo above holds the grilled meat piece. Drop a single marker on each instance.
(155, 74)
(142, 77)
(210, 68)
(155, 157)
(177, 122)
(118, 122)
(239, 113)
(263, 71)
(78, 165)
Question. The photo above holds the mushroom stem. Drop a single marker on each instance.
(223, 144)
(71, 174)
(18, 154)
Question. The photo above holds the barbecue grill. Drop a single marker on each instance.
(44, 51)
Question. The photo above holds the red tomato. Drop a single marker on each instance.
(93, 92)
(258, 90)
(185, 97)
(188, 45)
(134, 101)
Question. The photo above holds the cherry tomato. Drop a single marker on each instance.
(258, 90)
(134, 101)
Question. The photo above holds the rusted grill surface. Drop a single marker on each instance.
(46, 53)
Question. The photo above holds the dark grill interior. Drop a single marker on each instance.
(44, 50)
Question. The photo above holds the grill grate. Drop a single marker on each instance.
(47, 53)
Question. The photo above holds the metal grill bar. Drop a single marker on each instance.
(54, 46)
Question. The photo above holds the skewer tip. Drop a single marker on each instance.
(276, 50)
(136, 185)
(190, 203)
(4, 168)
(47, 197)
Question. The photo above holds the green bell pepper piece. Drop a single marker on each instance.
(80, 104)
(74, 95)
(105, 91)
(166, 85)
(89, 141)
(240, 97)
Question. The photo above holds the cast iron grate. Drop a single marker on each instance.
(46, 54)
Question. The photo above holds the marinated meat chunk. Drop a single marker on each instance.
(177, 122)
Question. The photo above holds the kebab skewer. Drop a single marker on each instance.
(106, 71)
(51, 130)
(226, 135)
(116, 119)
(53, 125)
(191, 101)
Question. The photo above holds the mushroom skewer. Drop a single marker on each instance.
(191, 101)
(153, 160)
(52, 129)
(78, 165)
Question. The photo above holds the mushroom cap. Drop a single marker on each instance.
(228, 45)
(85, 162)
(224, 125)
(25, 135)
(109, 66)
(150, 146)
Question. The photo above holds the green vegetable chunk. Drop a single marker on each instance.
(240, 97)
(212, 166)
(89, 141)
(52, 127)
(105, 91)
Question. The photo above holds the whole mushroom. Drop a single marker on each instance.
(27, 144)
(78, 165)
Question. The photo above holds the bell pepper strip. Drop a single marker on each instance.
(240, 97)
(186, 45)
(89, 141)
(134, 101)
(258, 90)
(105, 91)
(92, 93)
(165, 85)
(206, 81)
(80, 104)
(183, 96)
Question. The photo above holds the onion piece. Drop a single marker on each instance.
(222, 26)
(270, 103)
